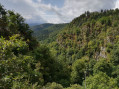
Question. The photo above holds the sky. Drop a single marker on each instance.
(56, 11)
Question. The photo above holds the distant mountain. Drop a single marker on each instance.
(41, 26)
(47, 31)
(34, 24)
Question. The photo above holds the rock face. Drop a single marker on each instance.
(103, 52)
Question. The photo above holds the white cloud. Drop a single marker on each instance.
(32, 11)
(74, 8)
(117, 4)
(36, 11)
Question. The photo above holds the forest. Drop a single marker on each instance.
(82, 54)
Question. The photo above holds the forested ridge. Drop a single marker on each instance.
(47, 32)
(83, 54)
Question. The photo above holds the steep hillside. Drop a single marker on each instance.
(92, 34)
(47, 31)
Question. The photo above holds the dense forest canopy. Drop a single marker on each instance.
(83, 54)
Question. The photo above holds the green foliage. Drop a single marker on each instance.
(115, 61)
(103, 66)
(105, 21)
(53, 86)
(12, 23)
(75, 86)
(115, 73)
(91, 65)
(16, 68)
(25, 85)
(100, 81)
(42, 55)
(79, 68)
(115, 55)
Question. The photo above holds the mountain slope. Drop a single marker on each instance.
(47, 31)
(92, 34)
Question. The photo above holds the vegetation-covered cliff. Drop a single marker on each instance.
(92, 34)
(89, 45)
